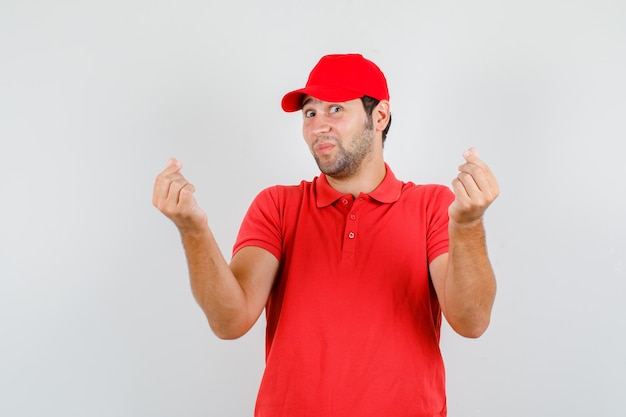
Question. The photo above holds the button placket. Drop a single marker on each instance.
(352, 226)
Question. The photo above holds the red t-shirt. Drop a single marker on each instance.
(353, 321)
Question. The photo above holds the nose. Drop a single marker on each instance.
(319, 124)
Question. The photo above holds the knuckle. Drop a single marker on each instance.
(176, 184)
(464, 176)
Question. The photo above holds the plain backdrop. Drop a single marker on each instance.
(96, 314)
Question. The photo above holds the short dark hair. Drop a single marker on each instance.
(370, 103)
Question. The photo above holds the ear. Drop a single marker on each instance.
(381, 115)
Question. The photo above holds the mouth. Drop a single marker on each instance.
(324, 148)
(324, 145)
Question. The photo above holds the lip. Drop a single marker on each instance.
(324, 148)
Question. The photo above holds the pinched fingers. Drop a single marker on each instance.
(475, 188)
(477, 178)
(478, 182)
(173, 193)
(173, 196)
(168, 184)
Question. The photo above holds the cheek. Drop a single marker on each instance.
(307, 135)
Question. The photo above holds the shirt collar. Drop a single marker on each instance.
(388, 191)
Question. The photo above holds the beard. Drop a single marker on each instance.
(347, 161)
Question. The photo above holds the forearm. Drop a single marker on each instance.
(470, 284)
(214, 285)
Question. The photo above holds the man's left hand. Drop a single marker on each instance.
(475, 188)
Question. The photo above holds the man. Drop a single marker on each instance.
(353, 268)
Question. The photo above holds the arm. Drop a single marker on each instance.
(463, 278)
(231, 296)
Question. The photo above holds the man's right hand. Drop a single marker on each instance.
(173, 196)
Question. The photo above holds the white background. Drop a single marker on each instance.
(96, 314)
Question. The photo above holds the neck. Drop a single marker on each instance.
(365, 180)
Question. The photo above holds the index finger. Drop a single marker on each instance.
(173, 165)
(163, 181)
(478, 169)
(471, 155)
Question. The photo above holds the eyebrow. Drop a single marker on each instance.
(309, 99)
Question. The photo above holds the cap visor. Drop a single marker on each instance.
(293, 101)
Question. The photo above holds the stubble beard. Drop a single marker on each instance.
(347, 162)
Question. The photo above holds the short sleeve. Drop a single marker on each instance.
(262, 224)
(437, 232)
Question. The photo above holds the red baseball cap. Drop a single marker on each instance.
(340, 77)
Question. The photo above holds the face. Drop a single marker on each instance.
(340, 135)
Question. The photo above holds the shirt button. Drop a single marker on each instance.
(345, 201)
(352, 216)
(351, 235)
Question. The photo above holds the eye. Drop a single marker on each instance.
(309, 113)
(334, 109)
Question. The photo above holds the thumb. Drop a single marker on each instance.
(173, 166)
(471, 154)
(174, 162)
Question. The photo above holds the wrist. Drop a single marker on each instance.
(467, 224)
(469, 229)
(194, 230)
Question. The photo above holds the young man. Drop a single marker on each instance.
(353, 268)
